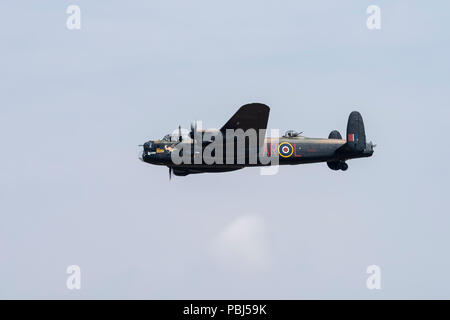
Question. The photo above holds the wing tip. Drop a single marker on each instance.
(255, 105)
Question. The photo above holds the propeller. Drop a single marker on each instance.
(193, 129)
(170, 173)
(180, 137)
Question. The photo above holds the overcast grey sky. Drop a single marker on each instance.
(75, 105)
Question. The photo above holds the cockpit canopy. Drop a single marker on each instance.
(167, 137)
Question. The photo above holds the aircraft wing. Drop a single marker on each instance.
(252, 115)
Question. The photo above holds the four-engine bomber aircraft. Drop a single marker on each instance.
(291, 148)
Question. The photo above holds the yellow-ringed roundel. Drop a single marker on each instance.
(285, 149)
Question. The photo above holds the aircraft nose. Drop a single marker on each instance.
(141, 152)
(147, 148)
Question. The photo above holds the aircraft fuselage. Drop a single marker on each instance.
(299, 150)
(240, 143)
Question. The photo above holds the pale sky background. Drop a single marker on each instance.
(75, 105)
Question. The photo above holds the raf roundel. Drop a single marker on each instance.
(285, 149)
